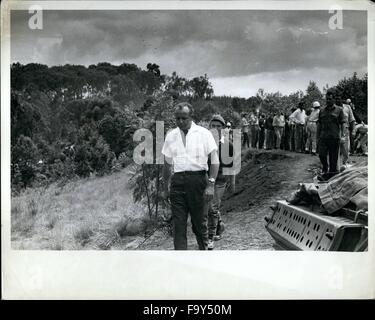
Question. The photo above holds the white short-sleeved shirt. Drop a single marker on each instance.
(192, 157)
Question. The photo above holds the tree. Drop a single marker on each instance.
(202, 88)
(355, 89)
(24, 156)
(313, 93)
(154, 68)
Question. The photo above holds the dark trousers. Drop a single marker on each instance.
(246, 140)
(270, 141)
(187, 196)
(299, 143)
(330, 148)
(262, 135)
(254, 135)
(292, 134)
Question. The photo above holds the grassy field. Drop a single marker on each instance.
(94, 213)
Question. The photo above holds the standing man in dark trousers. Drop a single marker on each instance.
(262, 131)
(245, 131)
(187, 149)
(330, 131)
(298, 117)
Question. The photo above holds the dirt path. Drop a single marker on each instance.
(266, 176)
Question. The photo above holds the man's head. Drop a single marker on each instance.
(301, 105)
(316, 105)
(330, 97)
(348, 101)
(183, 115)
(217, 122)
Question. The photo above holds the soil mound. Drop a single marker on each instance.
(263, 174)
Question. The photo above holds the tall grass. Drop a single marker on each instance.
(92, 213)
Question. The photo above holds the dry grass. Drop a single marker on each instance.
(92, 213)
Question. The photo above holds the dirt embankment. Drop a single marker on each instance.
(264, 174)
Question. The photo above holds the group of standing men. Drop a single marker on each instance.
(327, 131)
(193, 177)
(295, 132)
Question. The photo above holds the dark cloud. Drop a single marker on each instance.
(219, 43)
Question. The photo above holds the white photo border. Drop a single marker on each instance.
(42, 274)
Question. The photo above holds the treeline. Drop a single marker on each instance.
(72, 120)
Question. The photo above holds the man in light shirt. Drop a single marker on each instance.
(361, 139)
(187, 149)
(245, 131)
(298, 118)
(278, 125)
(311, 122)
(348, 128)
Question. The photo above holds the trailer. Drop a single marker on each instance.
(305, 228)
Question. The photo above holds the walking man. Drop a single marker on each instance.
(311, 120)
(187, 149)
(330, 129)
(215, 225)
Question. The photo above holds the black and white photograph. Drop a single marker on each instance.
(185, 129)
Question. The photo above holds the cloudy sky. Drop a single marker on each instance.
(241, 51)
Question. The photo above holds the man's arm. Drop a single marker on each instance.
(167, 169)
(352, 122)
(214, 166)
(213, 171)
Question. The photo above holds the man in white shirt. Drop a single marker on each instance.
(187, 149)
(245, 131)
(311, 124)
(298, 118)
(348, 128)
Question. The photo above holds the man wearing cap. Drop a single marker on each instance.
(228, 131)
(225, 150)
(348, 129)
(330, 127)
(187, 149)
(311, 128)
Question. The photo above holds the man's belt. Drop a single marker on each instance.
(191, 173)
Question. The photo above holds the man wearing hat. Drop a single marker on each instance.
(225, 146)
(311, 121)
(229, 131)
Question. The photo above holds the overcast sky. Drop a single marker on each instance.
(241, 51)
